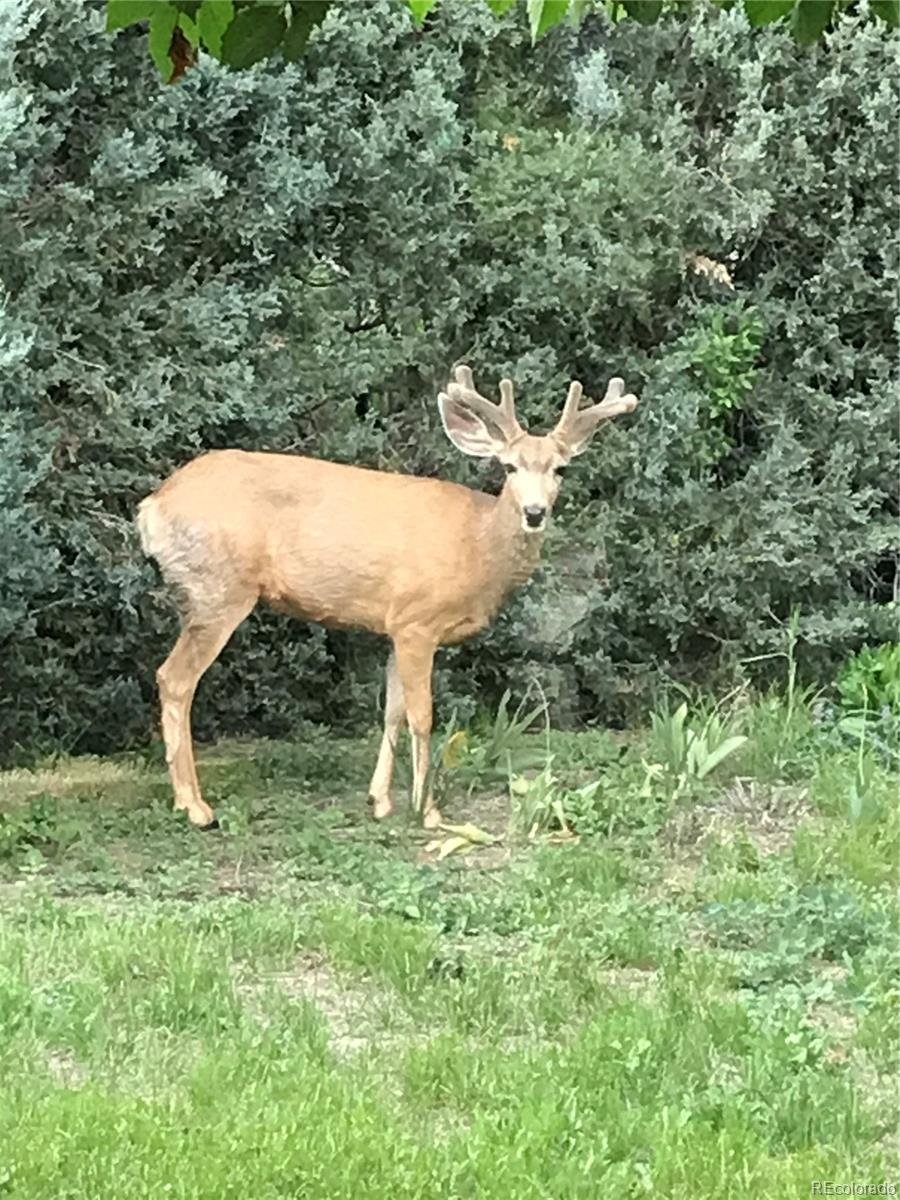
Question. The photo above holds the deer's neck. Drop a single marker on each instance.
(513, 554)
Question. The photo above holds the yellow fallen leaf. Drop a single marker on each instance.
(451, 845)
(454, 749)
(563, 838)
(471, 833)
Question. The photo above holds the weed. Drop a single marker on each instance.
(870, 680)
(688, 748)
(349, 1017)
(782, 722)
(621, 799)
(538, 803)
(503, 749)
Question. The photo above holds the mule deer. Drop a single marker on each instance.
(425, 562)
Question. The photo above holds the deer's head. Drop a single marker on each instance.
(533, 464)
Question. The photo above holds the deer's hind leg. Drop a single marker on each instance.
(201, 641)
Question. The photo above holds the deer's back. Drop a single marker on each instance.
(337, 544)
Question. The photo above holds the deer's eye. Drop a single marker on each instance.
(510, 468)
(560, 471)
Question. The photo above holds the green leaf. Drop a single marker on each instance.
(855, 726)
(420, 9)
(501, 721)
(888, 10)
(252, 36)
(645, 12)
(695, 757)
(213, 19)
(544, 14)
(305, 15)
(854, 803)
(523, 724)
(120, 13)
(499, 7)
(678, 733)
(764, 12)
(810, 19)
(720, 754)
(189, 28)
(162, 23)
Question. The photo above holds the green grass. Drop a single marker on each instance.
(696, 996)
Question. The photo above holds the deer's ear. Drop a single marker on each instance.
(467, 431)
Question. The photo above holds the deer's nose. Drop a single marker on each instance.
(534, 515)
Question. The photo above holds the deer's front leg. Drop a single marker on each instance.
(415, 659)
(394, 716)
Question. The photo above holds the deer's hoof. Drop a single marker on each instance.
(381, 808)
(210, 826)
(432, 818)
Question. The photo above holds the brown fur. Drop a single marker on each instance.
(342, 546)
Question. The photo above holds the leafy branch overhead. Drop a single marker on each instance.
(241, 33)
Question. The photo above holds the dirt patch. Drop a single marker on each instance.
(351, 1011)
(491, 857)
(75, 776)
(880, 1097)
(490, 814)
(632, 981)
(834, 1020)
(65, 1070)
(767, 816)
(678, 880)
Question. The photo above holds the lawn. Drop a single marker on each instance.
(652, 980)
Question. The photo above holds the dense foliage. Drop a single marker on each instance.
(293, 258)
(242, 33)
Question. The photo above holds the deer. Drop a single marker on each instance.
(424, 562)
